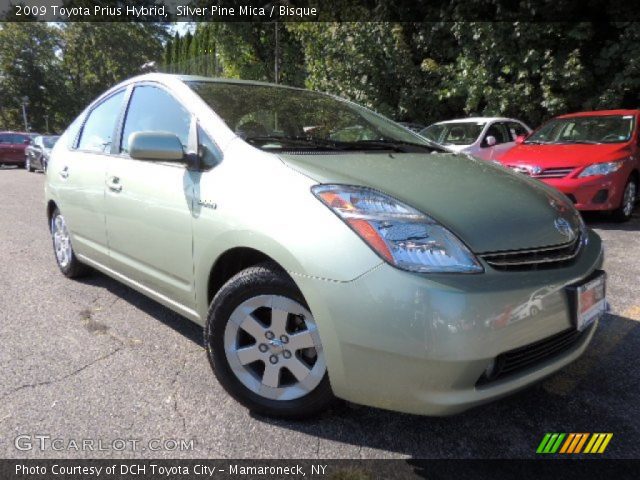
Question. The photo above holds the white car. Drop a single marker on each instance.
(483, 137)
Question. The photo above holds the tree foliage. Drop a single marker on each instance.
(422, 71)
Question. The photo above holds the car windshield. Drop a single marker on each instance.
(49, 142)
(455, 133)
(283, 119)
(588, 129)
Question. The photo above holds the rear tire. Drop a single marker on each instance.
(66, 259)
(624, 212)
(264, 347)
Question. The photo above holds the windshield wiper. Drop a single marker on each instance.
(288, 141)
(397, 145)
(319, 143)
(585, 142)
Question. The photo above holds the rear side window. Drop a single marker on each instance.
(5, 138)
(97, 133)
(154, 110)
(16, 138)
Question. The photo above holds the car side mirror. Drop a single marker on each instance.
(26, 142)
(520, 139)
(159, 146)
(490, 140)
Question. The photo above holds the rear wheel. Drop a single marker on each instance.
(625, 210)
(264, 347)
(69, 265)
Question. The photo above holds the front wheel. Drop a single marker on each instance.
(65, 256)
(625, 210)
(264, 347)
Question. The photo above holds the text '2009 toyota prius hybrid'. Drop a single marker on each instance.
(327, 251)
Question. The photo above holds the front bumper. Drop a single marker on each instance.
(592, 193)
(420, 343)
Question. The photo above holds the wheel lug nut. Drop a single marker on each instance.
(263, 347)
(273, 359)
(286, 354)
(284, 339)
(269, 335)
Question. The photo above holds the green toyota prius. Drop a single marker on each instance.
(326, 251)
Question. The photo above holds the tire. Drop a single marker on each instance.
(66, 259)
(262, 381)
(624, 212)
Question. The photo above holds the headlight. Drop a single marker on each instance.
(401, 235)
(601, 169)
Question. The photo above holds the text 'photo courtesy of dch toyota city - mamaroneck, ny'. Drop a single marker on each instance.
(365, 239)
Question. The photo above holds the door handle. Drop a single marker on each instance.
(64, 173)
(114, 184)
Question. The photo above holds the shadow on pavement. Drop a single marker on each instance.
(597, 393)
(603, 221)
(152, 308)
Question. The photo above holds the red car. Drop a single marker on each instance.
(12, 148)
(592, 157)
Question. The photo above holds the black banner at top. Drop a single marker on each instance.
(317, 10)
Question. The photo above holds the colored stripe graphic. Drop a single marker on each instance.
(573, 443)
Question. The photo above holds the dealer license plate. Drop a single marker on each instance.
(590, 301)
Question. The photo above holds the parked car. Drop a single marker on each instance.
(362, 269)
(483, 137)
(592, 157)
(12, 147)
(38, 152)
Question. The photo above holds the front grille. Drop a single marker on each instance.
(519, 359)
(535, 259)
(546, 173)
(554, 173)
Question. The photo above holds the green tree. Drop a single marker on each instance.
(98, 55)
(30, 67)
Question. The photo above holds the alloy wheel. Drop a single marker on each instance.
(61, 240)
(273, 347)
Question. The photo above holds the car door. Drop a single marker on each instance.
(149, 203)
(498, 131)
(78, 176)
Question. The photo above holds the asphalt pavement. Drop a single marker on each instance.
(93, 360)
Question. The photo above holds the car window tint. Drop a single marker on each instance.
(16, 138)
(97, 132)
(517, 129)
(499, 132)
(4, 138)
(154, 110)
(210, 154)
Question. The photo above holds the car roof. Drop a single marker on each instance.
(199, 78)
(479, 119)
(599, 113)
(11, 131)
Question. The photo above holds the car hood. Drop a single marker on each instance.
(490, 208)
(562, 156)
